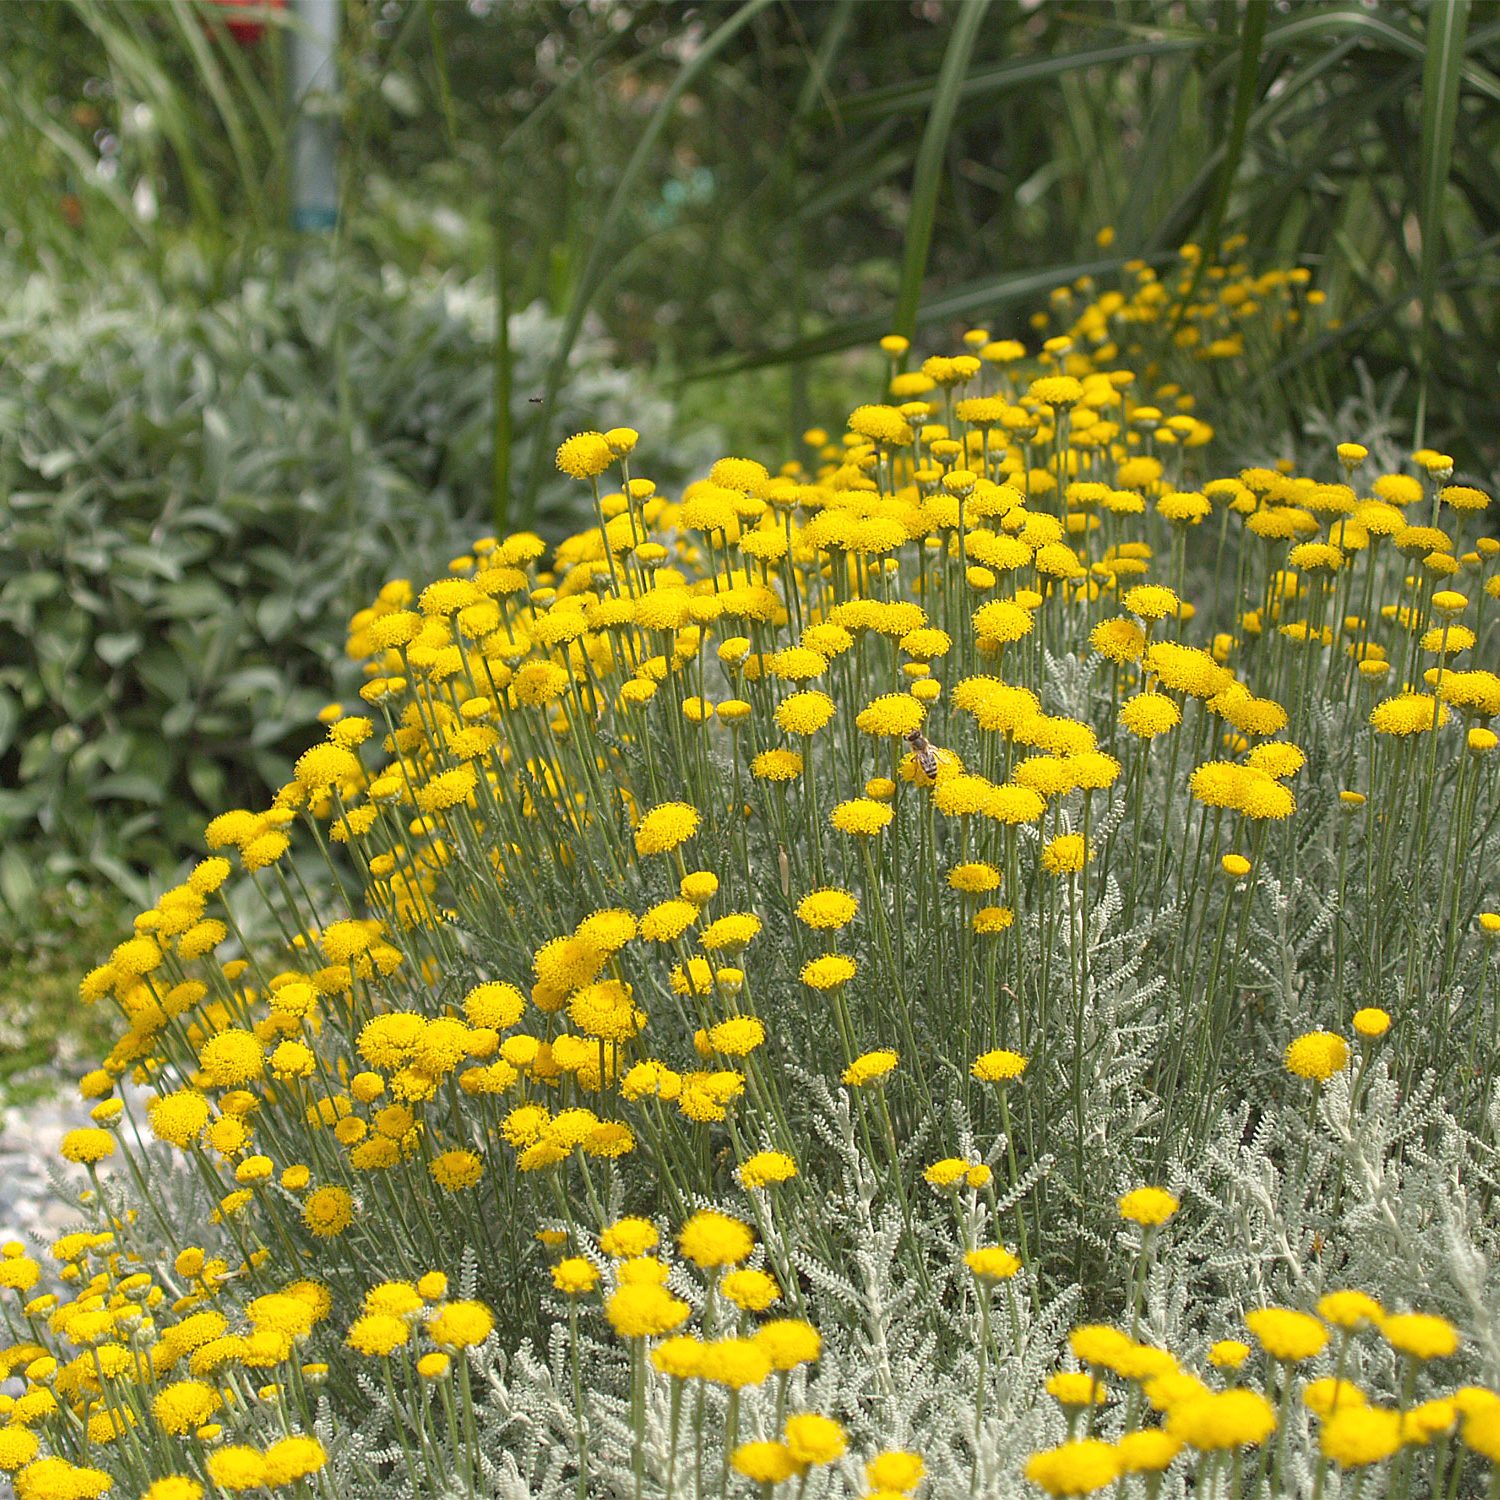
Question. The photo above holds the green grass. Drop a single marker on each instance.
(46, 1034)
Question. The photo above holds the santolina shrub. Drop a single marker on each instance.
(756, 977)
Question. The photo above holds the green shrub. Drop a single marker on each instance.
(192, 497)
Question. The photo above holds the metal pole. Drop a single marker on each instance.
(314, 44)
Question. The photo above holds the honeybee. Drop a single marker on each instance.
(926, 756)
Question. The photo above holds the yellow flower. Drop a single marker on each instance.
(585, 455)
(827, 909)
(667, 921)
(861, 816)
(628, 1238)
(734, 1363)
(1119, 640)
(1228, 1354)
(999, 1066)
(765, 1169)
(237, 1467)
(828, 972)
(750, 1290)
(1002, 621)
(813, 1438)
(232, 1058)
(666, 827)
(974, 877)
(680, 1356)
(328, 1211)
(1079, 1467)
(460, 1325)
(789, 1342)
(765, 1462)
(184, 1405)
(1075, 1388)
(948, 1172)
(1407, 714)
(87, 1145)
(1223, 1420)
(990, 1262)
(896, 1470)
(730, 933)
(377, 1335)
(1287, 1334)
(1056, 390)
(174, 1487)
(498, 1006)
(869, 1068)
(1151, 601)
(989, 920)
(882, 424)
(1149, 714)
(1422, 1336)
(574, 1276)
(1147, 1451)
(797, 664)
(776, 765)
(710, 1239)
(804, 713)
(456, 1170)
(1316, 1055)
(892, 716)
(740, 474)
(1348, 1309)
(290, 1459)
(1356, 1434)
(398, 1298)
(1148, 1206)
(737, 1037)
(1065, 854)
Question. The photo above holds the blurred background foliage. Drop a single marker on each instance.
(724, 184)
(198, 494)
(216, 434)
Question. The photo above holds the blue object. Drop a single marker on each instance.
(314, 70)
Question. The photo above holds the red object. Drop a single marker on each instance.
(249, 28)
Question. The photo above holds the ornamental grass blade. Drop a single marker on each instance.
(972, 298)
(1378, 317)
(1252, 36)
(190, 28)
(986, 83)
(139, 69)
(1179, 219)
(1442, 67)
(931, 158)
(604, 247)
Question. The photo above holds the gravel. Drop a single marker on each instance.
(29, 1137)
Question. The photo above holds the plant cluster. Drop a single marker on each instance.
(193, 492)
(753, 978)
